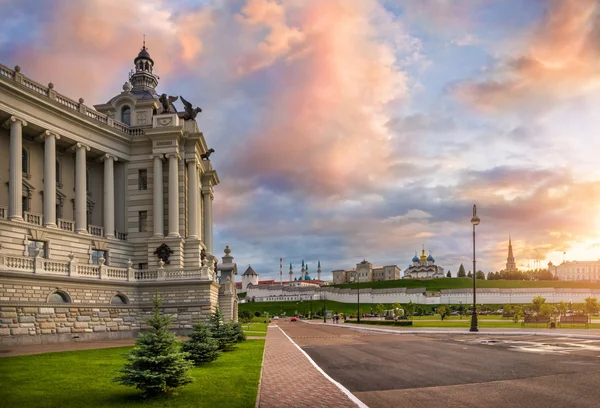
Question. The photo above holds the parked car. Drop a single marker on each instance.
(293, 319)
(275, 317)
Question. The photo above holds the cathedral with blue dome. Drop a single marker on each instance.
(423, 267)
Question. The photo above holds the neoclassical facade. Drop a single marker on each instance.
(366, 272)
(576, 270)
(423, 267)
(101, 207)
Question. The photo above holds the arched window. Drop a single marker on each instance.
(25, 162)
(119, 300)
(87, 182)
(59, 296)
(126, 115)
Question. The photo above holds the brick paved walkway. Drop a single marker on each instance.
(290, 380)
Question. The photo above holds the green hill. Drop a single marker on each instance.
(462, 283)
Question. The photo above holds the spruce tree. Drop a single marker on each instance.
(201, 346)
(448, 275)
(156, 365)
(461, 272)
(224, 333)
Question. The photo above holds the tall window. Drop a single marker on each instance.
(41, 245)
(25, 161)
(26, 199)
(142, 221)
(58, 179)
(143, 179)
(126, 115)
(96, 255)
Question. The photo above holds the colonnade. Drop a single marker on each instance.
(15, 210)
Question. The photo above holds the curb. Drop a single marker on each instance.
(466, 333)
(262, 368)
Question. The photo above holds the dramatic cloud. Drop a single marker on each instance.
(351, 129)
(562, 61)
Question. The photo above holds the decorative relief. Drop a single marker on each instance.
(142, 118)
(111, 115)
(164, 143)
(164, 121)
(163, 252)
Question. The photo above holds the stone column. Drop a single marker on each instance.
(109, 195)
(158, 197)
(193, 203)
(173, 195)
(207, 195)
(80, 189)
(15, 185)
(50, 178)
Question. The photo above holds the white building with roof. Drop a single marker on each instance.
(576, 270)
(366, 272)
(423, 267)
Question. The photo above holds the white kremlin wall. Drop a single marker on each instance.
(275, 293)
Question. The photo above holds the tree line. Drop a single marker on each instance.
(529, 275)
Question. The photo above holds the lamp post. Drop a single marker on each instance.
(324, 306)
(475, 221)
(358, 293)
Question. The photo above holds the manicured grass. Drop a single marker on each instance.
(291, 308)
(463, 283)
(256, 334)
(255, 326)
(466, 323)
(83, 379)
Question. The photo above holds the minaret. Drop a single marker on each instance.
(319, 271)
(281, 271)
(291, 273)
(302, 271)
(510, 260)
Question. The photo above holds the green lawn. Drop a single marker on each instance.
(462, 283)
(483, 324)
(83, 379)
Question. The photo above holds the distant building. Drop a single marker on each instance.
(510, 259)
(366, 272)
(251, 278)
(424, 267)
(576, 270)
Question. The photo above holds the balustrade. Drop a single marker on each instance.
(67, 225)
(96, 230)
(33, 218)
(7, 74)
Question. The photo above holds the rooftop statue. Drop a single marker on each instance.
(190, 112)
(166, 102)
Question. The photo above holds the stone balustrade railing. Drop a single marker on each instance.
(96, 230)
(49, 92)
(71, 268)
(66, 225)
(33, 218)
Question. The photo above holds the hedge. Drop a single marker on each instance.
(384, 322)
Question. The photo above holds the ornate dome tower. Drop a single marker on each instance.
(142, 78)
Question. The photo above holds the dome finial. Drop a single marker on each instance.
(144, 44)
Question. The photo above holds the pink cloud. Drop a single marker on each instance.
(562, 61)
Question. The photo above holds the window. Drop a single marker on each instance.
(126, 115)
(96, 255)
(41, 245)
(119, 300)
(142, 179)
(59, 206)
(25, 161)
(58, 179)
(143, 265)
(25, 201)
(142, 218)
(59, 297)
(87, 182)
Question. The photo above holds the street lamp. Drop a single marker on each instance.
(358, 289)
(475, 221)
(324, 299)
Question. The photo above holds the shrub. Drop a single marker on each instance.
(239, 331)
(156, 365)
(201, 346)
(225, 334)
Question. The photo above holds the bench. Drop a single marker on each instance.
(535, 320)
(578, 319)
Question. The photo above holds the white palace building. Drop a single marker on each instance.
(100, 207)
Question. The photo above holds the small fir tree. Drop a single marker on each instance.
(239, 331)
(448, 275)
(480, 275)
(461, 272)
(156, 365)
(201, 346)
(224, 333)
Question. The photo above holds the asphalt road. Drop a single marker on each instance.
(390, 370)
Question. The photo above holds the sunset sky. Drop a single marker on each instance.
(351, 129)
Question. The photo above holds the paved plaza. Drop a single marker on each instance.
(430, 370)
